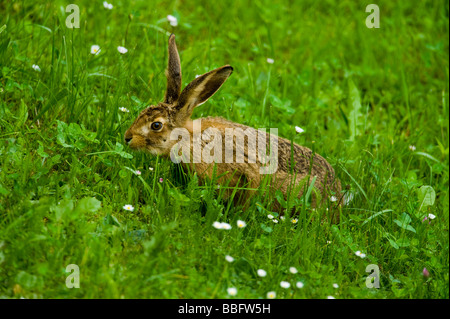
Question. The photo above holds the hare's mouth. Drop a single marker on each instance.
(144, 145)
(136, 142)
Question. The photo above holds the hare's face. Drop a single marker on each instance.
(151, 130)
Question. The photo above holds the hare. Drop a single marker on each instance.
(295, 168)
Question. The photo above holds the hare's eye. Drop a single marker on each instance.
(156, 126)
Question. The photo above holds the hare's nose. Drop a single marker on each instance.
(128, 136)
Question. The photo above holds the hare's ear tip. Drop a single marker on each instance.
(229, 67)
(171, 37)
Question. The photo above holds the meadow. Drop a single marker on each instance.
(372, 101)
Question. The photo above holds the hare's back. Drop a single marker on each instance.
(292, 158)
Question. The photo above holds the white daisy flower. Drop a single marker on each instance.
(333, 198)
(124, 109)
(299, 284)
(232, 291)
(335, 286)
(107, 5)
(138, 172)
(36, 67)
(285, 284)
(299, 130)
(217, 225)
(172, 20)
(241, 224)
(150, 168)
(270, 216)
(282, 218)
(226, 226)
(261, 273)
(229, 258)
(330, 297)
(328, 241)
(122, 50)
(360, 254)
(271, 295)
(128, 207)
(294, 220)
(412, 148)
(275, 221)
(95, 49)
(293, 270)
(270, 61)
(431, 216)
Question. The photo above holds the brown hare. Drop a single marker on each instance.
(236, 163)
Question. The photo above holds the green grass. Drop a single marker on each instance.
(363, 96)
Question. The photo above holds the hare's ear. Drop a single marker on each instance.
(202, 88)
(173, 73)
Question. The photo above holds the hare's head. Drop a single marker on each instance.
(151, 130)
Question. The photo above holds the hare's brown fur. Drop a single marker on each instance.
(297, 166)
